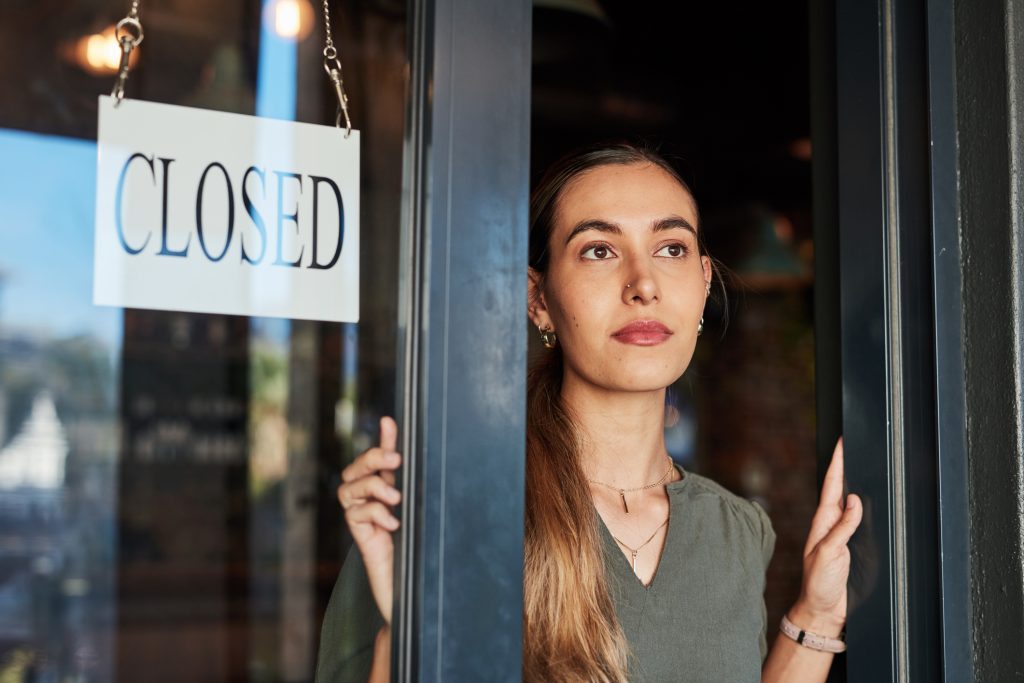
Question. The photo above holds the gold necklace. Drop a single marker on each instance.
(634, 551)
(623, 492)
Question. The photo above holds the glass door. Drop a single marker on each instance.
(167, 478)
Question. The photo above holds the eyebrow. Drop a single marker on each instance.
(667, 223)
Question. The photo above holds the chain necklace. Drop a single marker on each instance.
(633, 551)
(623, 492)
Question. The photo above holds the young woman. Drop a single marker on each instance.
(635, 570)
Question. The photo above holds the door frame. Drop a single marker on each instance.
(463, 346)
(913, 178)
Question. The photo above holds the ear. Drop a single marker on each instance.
(537, 307)
(705, 262)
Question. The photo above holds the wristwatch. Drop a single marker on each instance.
(812, 640)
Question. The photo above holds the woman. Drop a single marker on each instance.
(665, 582)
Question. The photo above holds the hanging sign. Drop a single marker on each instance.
(211, 212)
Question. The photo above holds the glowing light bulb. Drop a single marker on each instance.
(287, 18)
(292, 19)
(98, 53)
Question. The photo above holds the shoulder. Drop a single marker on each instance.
(350, 626)
(746, 515)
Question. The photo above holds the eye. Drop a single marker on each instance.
(599, 252)
(674, 250)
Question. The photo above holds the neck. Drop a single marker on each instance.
(622, 433)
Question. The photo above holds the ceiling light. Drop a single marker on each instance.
(99, 54)
(292, 19)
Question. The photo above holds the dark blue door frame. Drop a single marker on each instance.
(459, 562)
(887, 332)
(929, 153)
(919, 265)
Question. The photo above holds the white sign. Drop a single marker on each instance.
(204, 211)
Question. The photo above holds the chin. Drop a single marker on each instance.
(627, 372)
(643, 377)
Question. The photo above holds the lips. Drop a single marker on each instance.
(642, 333)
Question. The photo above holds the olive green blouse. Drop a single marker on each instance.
(702, 618)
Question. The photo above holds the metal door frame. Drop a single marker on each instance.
(915, 176)
(931, 267)
(459, 563)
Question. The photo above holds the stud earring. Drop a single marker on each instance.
(700, 326)
(548, 337)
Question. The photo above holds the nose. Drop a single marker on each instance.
(640, 287)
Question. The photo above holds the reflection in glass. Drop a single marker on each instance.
(167, 479)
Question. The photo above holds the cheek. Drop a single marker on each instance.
(578, 310)
(561, 301)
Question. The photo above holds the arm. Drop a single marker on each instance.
(789, 661)
(821, 608)
(367, 495)
(381, 671)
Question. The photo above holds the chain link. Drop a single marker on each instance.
(332, 65)
(129, 35)
(330, 52)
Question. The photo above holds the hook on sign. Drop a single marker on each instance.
(129, 35)
(332, 65)
(333, 68)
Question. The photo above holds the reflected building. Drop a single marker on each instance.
(32, 549)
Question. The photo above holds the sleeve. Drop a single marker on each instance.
(767, 550)
(350, 626)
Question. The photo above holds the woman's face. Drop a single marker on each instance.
(626, 285)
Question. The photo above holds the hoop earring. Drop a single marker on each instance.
(700, 326)
(548, 337)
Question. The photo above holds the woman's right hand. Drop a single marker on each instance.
(367, 493)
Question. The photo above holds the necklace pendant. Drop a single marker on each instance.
(634, 552)
(622, 494)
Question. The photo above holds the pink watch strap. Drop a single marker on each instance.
(811, 640)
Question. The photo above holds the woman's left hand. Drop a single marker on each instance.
(821, 607)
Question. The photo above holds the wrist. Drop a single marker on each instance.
(812, 621)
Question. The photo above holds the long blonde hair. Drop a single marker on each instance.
(570, 630)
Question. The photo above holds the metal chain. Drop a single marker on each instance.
(332, 65)
(129, 35)
(329, 51)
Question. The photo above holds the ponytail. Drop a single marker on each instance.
(570, 629)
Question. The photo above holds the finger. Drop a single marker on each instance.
(840, 534)
(370, 462)
(369, 487)
(388, 476)
(372, 513)
(832, 488)
(388, 433)
(824, 519)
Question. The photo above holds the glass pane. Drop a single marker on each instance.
(167, 479)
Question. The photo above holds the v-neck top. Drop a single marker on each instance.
(702, 617)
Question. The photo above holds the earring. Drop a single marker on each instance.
(548, 337)
(700, 326)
